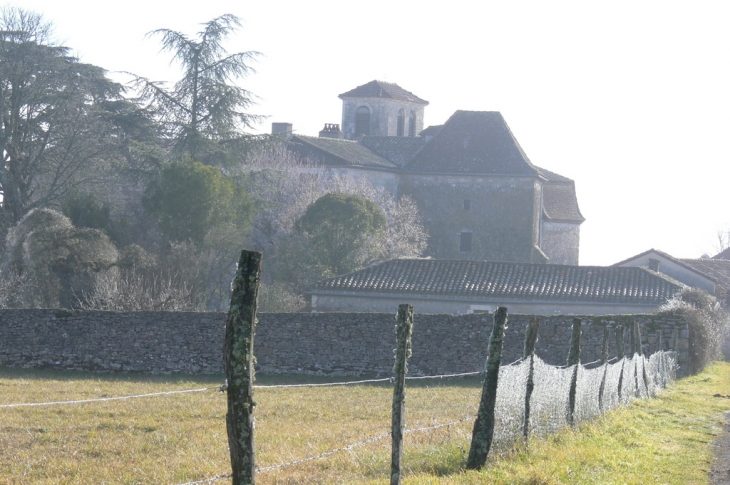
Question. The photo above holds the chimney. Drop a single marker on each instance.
(284, 129)
(331, 130)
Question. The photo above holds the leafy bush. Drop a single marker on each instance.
(708, 325)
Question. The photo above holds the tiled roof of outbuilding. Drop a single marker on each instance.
(724, 254)
(490, 280)
(397, 149)
(336, 151)
(717, 269)
(381, 89)
(473, 142)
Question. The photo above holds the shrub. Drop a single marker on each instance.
(708, 325)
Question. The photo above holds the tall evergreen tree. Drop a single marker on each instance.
(59, 117)
(204, 112)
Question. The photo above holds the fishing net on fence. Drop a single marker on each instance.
(598, 390)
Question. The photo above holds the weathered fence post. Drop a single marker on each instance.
(659, 342)
(637, 328)
(574, 360)
(604, 363)
(530, 340)
(481, 439)
(621, 354)
(238, 362)
(675, 340)
(403, 331)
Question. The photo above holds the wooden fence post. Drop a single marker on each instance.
(621, 354)
(529, 353)
(238, 362)
(604, 363)
(574, 359)
(481, 440)
(637, 329)
(659, 342)
(675, 340)
(403, 330)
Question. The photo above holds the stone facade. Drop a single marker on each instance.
(338, 344)
(383, 116)
(501, 213)
(560, 241)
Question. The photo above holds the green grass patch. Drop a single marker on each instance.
(178, 438)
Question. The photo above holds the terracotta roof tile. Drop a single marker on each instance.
(397, 149)
(502, 280)
(334, 151)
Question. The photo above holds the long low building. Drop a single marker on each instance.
(458, 287)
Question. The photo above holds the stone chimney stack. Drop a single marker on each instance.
(331, 130)
(283, 129)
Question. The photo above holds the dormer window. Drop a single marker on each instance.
(412, 124)
(362, 121)
(401, 123)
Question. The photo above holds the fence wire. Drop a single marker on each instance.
(599, 389)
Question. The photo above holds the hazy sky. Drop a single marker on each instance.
(631, 99)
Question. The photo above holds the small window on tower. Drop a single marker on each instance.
(401, 123)
(465, 242)
(467, 204)
(412, 124)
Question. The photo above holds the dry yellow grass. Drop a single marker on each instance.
(179, 438)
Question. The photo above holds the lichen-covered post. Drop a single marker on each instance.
(604, 363)
(659, 341)
(403, 330)
(621, 354)
(481, 439)
(239, 366)
(574, 360)
(530, 340)
(675, 340)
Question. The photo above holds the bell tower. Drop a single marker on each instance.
(381, 109)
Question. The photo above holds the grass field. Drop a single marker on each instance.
(178, 438)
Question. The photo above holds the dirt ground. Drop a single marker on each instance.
(720, 473)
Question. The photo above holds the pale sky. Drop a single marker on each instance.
(631, 99)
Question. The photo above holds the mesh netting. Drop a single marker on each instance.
(598, 390)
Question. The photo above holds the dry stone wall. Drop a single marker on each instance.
(345, 344)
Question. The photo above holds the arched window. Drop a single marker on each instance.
(362, 121)
(412, 124)
(401, 123)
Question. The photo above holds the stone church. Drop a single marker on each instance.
(478, 193)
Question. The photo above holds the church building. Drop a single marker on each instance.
(479, 195)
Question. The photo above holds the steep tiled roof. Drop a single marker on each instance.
(717, 269)
(560, 204)
(397, 149)
(334, 151)
(383, 90)
(490, 280)
(473, 142)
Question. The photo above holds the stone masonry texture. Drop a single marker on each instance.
(336, 344)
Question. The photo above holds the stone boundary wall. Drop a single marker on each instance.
(343, 344)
